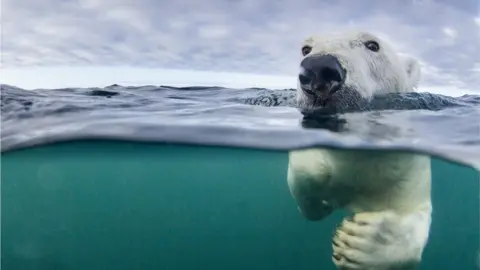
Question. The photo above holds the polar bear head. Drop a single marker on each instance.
(358, 63)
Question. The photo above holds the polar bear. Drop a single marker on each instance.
(388, 192)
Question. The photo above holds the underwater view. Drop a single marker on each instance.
(240, 135)
(162, 177)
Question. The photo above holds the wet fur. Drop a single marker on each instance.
(368, 73)
(388, 192)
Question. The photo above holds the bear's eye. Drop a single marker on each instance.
(372, 45)
(306, 50)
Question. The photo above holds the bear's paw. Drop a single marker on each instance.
(380, 241)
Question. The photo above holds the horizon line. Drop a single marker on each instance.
(47, 77)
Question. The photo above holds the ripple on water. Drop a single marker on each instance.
(260, 118)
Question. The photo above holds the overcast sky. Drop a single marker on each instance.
(246, 36)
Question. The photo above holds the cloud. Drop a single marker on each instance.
(246, 36)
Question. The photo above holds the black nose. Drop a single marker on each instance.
(320, 71)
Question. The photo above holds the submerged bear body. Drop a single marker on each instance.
(388, 192)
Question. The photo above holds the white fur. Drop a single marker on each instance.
(368, 72)
(388, 192)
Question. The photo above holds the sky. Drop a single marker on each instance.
(243, 43)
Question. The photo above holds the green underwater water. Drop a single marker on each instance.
(125, 205)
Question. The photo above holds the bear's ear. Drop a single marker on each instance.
(413, 70)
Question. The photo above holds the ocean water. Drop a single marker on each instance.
(195, 178)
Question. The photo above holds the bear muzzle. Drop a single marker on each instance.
(321, 75)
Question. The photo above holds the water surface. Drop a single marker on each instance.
(195, 178)
(439, 125)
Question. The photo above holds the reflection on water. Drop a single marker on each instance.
(444, 126)
(125, 205)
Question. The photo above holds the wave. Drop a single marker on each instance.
(260, 118)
